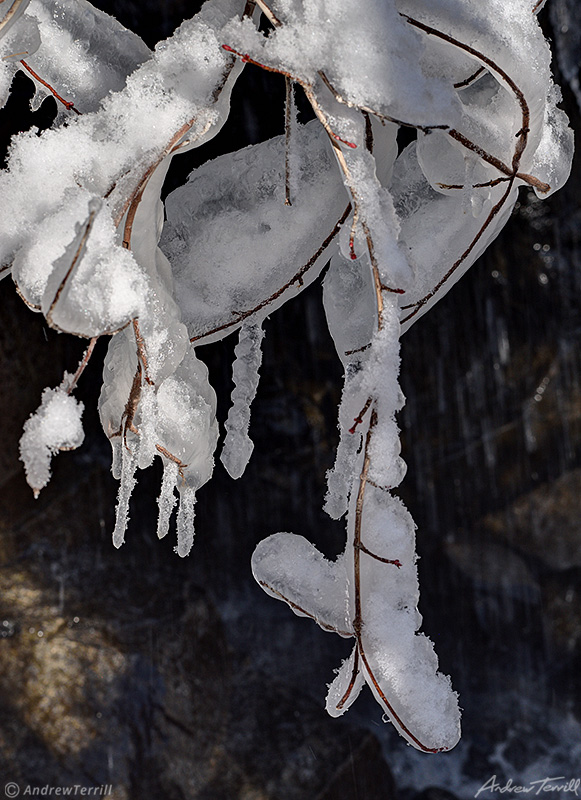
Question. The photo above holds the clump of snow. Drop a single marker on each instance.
(55, 425)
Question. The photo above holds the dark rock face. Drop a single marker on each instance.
(181, 680)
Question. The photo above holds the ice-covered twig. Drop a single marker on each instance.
(72, 383)
(68, 104)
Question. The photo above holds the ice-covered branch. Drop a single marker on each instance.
(82, 221)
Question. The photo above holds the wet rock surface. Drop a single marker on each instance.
(181, 680)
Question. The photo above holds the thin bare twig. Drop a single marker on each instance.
(395, 561)
(368, 132)
(471, 78)
(495, 182)
(83, 363)
(367, 110)
(359, 418)
(268, 13)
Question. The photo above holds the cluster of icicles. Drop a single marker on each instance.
(83, 236)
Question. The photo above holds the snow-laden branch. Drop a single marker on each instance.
(84, 238)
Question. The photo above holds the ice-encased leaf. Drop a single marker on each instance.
(400, 664)
(95, 286)
(289, 568)
(235, 248)
(441, 239)
(85, 52)
(349, 301)
(346, 686)
(10, 14)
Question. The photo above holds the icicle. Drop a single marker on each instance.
(167, 499)
(238, 445)
(128, 481)
(186, 521)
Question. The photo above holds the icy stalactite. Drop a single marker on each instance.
(238, 445)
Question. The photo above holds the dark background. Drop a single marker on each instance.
(173, 678)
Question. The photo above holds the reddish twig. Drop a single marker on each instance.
(141, 350)
(395, 561)
(359, 418)
(181, 466)
(68, 104)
